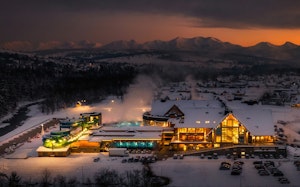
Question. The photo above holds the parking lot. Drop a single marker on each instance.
(195, 171)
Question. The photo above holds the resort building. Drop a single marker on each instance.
(208, 124)
(178, 125)
(71, 135)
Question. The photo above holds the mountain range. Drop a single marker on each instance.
(185, 44)
(208, 45)
(200, 45)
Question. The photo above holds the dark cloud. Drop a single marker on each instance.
(210, 13)
(44, 20)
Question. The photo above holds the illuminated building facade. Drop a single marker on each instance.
(206, 124)
(183, 125)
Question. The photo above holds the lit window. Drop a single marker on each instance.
(198, 122)
(206, 122)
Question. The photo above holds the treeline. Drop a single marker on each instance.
(29, 78)
(63, 80)
(102, 178)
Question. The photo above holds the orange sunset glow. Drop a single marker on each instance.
(244, 23)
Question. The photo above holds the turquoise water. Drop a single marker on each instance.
(128, 124)
(135, 144)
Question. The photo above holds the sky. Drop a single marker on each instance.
(243, 22)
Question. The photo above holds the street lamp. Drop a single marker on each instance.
(42, 131)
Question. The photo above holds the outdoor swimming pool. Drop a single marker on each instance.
(135, 144)
(127, 124)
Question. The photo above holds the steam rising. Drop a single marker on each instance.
(131, 108)
(132, 105)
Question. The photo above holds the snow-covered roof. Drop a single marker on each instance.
(45, 149)
(259, 121)
(131, 136)
(133, 128)
(160, 108)
(178, 96)
(199, 118)
(127, 133)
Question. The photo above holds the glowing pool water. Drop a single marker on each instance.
(128, 124)
(135, 144)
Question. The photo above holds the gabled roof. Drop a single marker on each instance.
(174, 110)
(159, 108)
(199, 118)
(259, 121)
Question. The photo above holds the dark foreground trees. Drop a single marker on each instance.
(13, 180)
(102, 178)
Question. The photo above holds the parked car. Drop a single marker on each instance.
(283, 180)
(225, 166)
(278, 174)
(269, 163)
(259, 166)
(235, 172)
(257, 162)
(263, 172)
(215, 156)
(239, 162)
(175, 156)
(202, 156)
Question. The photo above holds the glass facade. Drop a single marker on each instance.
(193, 134)
(231, 131)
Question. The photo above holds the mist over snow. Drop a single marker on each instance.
(138, 98)
(131, 107)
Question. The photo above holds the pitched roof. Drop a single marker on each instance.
(259, 121)
(199, 118)
(159, 108)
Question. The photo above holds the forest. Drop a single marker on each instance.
(58, 84)
(59, 81)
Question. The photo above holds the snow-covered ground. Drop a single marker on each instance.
(112, 111)
(192, 171)
(189, 172)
